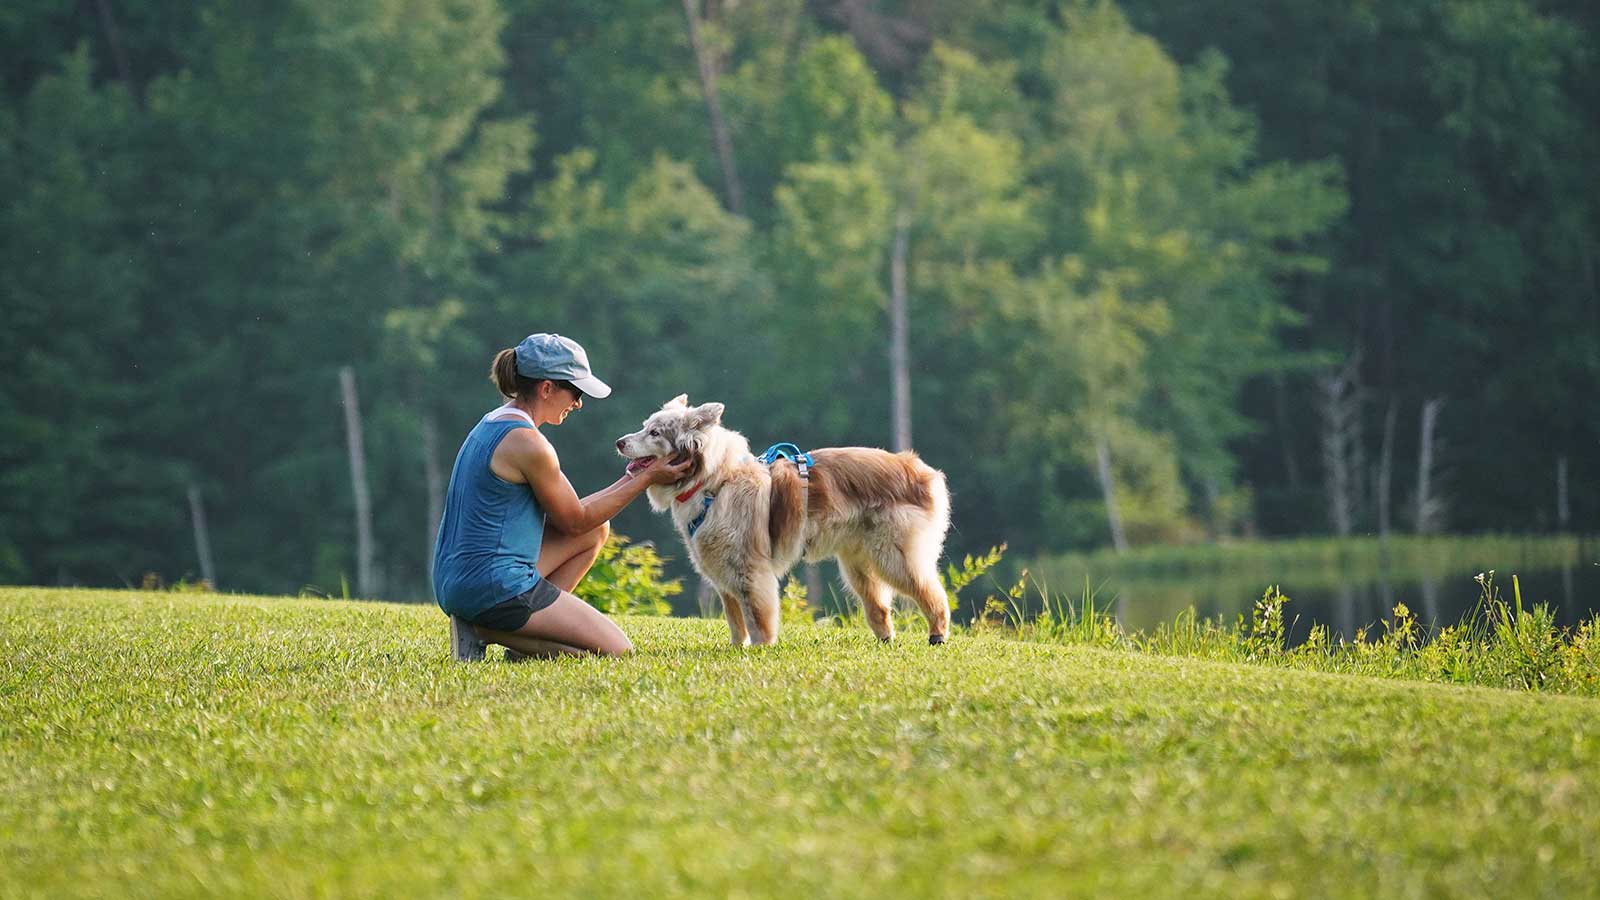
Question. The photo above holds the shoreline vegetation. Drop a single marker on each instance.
(1504, 640)
(1415, 555)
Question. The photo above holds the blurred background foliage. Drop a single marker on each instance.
(1137, 239)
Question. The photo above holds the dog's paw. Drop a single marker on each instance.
(935, 639)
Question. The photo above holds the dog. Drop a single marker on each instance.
(882, 515)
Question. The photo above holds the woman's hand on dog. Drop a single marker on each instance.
(664, 470)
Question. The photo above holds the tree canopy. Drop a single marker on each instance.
(1138, 237)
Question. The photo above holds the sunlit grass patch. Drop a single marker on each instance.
(181, 744)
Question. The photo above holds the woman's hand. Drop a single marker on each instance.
(663, 470)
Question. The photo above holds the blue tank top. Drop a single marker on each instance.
(490, 534)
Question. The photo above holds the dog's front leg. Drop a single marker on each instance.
(733, 611)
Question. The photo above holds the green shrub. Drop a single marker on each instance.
(626, 580)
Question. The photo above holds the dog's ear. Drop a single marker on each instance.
(679, 401)
(705, 416)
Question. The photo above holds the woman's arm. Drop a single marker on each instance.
(528, 452)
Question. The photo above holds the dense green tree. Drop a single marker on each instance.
(1471, 241)
(80, 489)
(1127, 255)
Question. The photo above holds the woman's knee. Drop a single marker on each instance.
(600, 535)
(617, 646)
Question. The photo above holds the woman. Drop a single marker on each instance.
(515, 539)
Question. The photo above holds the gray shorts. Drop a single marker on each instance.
(514, 613)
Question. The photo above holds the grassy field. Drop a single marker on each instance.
(178, 744)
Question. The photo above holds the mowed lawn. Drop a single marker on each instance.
(180, 744)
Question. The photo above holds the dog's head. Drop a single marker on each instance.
(676, 430)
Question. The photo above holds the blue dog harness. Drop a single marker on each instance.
(802, 462)
(697, 521)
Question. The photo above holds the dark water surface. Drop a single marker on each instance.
(1573, 592)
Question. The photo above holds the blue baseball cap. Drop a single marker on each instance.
(559, 359)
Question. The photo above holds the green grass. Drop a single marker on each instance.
(177, 744)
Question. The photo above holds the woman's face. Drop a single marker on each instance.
(562, 400)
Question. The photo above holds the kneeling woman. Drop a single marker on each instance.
(516, 539)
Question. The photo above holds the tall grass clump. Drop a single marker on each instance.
(1500, 643)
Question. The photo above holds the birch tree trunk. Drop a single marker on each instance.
(1386, 470)
(358, 481)
(1108, 489)
(899, 334)
(811, 574)
(1563, 509)
(707, 599)
(1291, 467)
(1430, 511)
(1339, 406)
(202, 537)
(706, 64)
(119, 55)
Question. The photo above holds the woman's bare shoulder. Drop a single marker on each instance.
(522, 453)
(527, 443)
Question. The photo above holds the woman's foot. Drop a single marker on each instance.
(465, 645)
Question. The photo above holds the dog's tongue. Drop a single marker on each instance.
(639, 464)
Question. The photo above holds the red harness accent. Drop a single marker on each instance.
(684, 497)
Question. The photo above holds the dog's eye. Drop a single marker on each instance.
(655, 432)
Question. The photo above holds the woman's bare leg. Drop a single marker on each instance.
(564, 559)
(568, 626)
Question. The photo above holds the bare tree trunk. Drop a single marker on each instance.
(1102, 452)
(202, 537)
(433, 476)
(1213, 518)
(899, 333)
(119, 55)
(708, 600)
(358, 481)
(1345, 608)
(1386, 469)
(1430, 510)
(707, 66)
(1360, 475)
(1563, 509)
(1340, 408)
(1291, 467)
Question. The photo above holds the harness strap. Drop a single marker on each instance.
(802, 463)
(694, 525)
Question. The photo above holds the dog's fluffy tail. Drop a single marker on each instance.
(939, 516)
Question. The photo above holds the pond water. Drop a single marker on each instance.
(1351, 602)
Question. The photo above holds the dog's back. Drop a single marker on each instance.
(855, 489)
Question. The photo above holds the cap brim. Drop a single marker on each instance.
(592, 386)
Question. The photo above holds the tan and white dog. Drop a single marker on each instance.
(882, 514)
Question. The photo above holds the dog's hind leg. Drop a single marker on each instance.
(919, 580)
(733, 611)
(875, 596)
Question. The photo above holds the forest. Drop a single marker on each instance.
(1129, 274)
